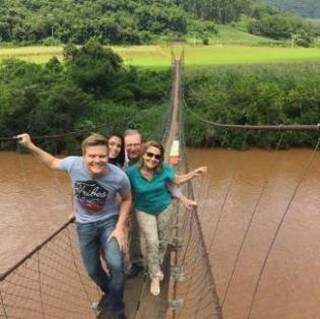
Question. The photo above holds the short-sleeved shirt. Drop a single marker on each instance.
(151, 196)
(94, 198)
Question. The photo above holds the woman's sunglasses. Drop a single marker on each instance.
(151, 155)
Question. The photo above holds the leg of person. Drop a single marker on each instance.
(135, 255)
(126, 256)
(89, 248)
(143, 245)
(114, 259)
(164, 231)
(148, 226)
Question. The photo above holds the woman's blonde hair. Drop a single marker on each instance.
(156, 145)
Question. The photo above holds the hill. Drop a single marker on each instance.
(122, 22)
(304, 8)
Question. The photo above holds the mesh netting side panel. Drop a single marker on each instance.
(197, 290)
(52, 283)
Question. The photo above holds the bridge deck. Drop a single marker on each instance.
(140, 303)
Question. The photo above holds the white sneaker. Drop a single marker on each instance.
(155, 286)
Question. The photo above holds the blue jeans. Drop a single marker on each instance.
(93, 236)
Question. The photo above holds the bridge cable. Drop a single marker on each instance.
(55, 136)
(201, 246)
(280, 127)
(222, 207)
(227, 194)
(57, 185)
(255, 209)
(3, 306)
(279, 227)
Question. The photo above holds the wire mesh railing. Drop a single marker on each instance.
(49, 282)
(192, 288)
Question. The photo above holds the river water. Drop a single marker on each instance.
(262, 184)
(253, 188)
(34, 201)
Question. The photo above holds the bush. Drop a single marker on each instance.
(256, 95)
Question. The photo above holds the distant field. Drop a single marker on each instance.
(233, 36)
(160, 56)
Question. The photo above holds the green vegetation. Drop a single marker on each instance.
(241, 54)
(305, 8)
(257, 95)
(284, 26)
(109, 21)
(144, 21)
(85, 86)
(94, 90)
(38, 54)
(91, 89)
(238, 35)
(156, 56)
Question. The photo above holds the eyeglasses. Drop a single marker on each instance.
(151, 155)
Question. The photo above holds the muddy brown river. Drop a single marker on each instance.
(289, 284)
(245, 195)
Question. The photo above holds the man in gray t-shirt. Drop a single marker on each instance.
(100, 215)
(94, 198)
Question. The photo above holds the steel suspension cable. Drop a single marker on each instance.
(77, 268)
(280, 127)
(264, 186)
(196, 253)
(58, 186)
(225, 199)
(3, 306)
(202, 244)
(275, 236)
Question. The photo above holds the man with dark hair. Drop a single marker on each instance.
(100, 218)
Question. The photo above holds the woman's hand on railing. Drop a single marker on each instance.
(187, 202)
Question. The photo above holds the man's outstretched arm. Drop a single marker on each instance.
(44, 157)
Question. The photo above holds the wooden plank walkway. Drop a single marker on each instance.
(140, 303)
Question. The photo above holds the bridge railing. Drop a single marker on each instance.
(49, 282)
(192, 292)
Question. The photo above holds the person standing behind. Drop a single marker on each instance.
(100, 219)
(133, 148)
(152, 202)
(117, 154)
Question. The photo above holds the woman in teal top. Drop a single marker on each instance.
(152, 201)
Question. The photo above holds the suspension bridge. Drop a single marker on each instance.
(50, 281)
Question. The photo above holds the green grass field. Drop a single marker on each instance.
(160, 55)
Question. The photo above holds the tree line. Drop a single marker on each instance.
(91, 90)
(305, 8)
(255, 95)
(109, 21)
(143, 21)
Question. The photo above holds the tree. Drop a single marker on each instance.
(94, 69)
